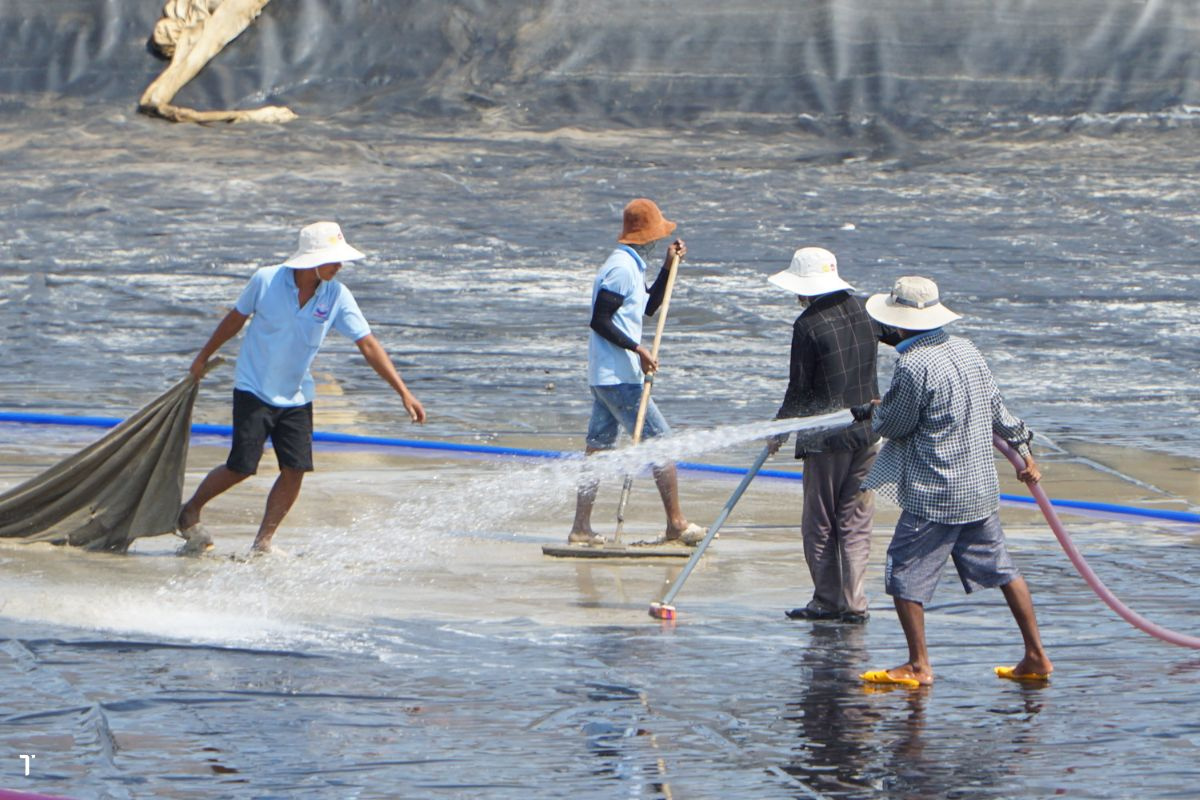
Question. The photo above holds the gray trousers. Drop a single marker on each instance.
(836, 527)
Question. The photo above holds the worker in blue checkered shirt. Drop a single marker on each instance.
(938, 417)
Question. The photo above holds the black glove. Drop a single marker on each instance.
(861, 412)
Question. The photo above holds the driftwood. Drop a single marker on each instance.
(190, 34)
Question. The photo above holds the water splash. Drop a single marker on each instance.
(424, 530)
(518, 489)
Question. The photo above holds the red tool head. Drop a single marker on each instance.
(660, 611)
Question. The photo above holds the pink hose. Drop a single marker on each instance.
(1110, 599)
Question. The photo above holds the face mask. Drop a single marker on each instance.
(646, 251)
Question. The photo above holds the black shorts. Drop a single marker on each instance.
(290, 429)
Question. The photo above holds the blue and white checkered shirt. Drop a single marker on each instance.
(938, 417)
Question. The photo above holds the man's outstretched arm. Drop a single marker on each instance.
(226, 330)
(379, 360)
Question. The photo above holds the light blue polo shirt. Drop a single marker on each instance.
(283, 338)
(624, 273)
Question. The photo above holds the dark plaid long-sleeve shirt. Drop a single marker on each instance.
(834, 347)
(938, 417)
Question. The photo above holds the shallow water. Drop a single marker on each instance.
(1069, 260)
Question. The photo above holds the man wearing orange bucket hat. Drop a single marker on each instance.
(290, 308)
(939, 417)
(618, 362)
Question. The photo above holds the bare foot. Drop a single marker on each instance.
(1033, 665)
(922, 675)
(585, 536)
(675, 528)
(187, 518)
(689, 534)
(196, 541)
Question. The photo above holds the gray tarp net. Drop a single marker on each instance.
(126, 485)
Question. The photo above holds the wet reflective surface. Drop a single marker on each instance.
(451, 659)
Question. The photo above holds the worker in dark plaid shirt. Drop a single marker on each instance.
(939, 416)
(834, 346)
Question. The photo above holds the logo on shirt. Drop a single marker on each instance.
(321, 311)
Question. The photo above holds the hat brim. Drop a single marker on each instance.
(336, 254)
(811, 286)
(660, 231)
(883, 309)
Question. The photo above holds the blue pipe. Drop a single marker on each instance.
(520, 452)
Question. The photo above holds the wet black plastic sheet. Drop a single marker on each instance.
(833, 66)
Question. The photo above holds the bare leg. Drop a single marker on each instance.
(219, 480)
(585, 499)
(668, 489)
(912, 620)
(1020, 603)
(279, 502)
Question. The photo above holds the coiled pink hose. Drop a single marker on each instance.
(1110, 599)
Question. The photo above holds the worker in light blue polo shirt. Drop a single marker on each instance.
(291, 308)
(618, 363)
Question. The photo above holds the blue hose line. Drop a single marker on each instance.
(520, 452)
(1109, 508)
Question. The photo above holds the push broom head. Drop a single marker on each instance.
(660, 611)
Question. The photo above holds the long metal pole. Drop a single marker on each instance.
(677, 584)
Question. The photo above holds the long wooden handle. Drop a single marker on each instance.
(648, 384)
(673, 269)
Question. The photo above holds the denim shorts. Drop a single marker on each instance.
(616, 406)
(919, 550)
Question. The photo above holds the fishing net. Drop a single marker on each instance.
(127, 485)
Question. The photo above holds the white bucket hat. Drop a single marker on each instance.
(321, 243)
(813, 272)
(913, 305)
